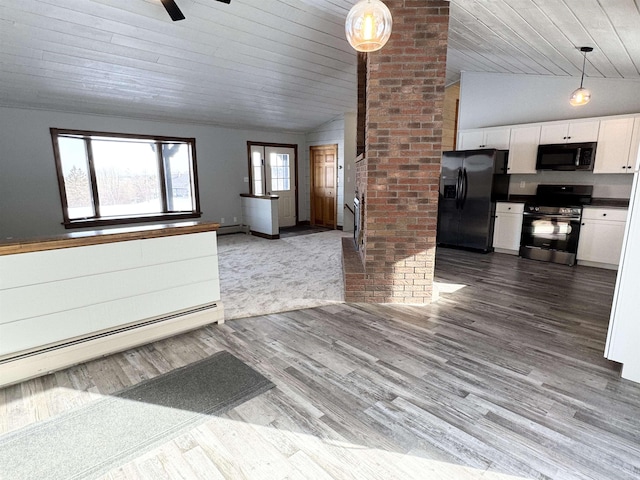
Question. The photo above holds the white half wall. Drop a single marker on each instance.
(261, 214)
(493, 99)
(29, 197)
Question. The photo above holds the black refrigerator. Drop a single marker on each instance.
(471, 181)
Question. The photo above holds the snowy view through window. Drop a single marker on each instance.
(128, 177)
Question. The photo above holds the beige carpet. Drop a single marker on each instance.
(260, 276)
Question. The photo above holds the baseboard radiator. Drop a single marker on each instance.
(23, 366)
(226, 229)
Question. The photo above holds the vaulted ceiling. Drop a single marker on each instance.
(274, 64)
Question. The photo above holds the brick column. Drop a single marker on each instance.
(405, 97)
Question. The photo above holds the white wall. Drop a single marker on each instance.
(492, 99)
(29, 197)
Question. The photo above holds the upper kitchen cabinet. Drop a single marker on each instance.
(570, 132)
(523, 149)
(484, 138)
(614, 153)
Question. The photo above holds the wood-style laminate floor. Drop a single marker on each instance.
(503, 378)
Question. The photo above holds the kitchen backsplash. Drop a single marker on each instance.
(604, 186)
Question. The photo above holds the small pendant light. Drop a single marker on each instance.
(581, 96)
(368, 25)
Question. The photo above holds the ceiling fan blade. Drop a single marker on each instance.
(173, 10)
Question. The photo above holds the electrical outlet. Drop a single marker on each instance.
(222, 220)
(235, 219)
(523, 184)
(246, 179)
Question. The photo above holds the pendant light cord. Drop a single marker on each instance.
(584, 61)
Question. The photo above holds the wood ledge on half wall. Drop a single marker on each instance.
(265, 197)
(108, 235)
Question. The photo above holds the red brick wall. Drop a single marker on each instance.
(405, 97)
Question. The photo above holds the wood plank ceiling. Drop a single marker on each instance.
(273, 64)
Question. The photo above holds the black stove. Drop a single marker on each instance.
(551, 223)
(563, 195)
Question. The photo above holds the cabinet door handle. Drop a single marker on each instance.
(582, 224)
(604, 214)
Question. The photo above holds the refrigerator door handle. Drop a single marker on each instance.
(465, 189)
(459, 189)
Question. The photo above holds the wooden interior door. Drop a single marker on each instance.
(324, 179)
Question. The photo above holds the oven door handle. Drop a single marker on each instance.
(550, 215)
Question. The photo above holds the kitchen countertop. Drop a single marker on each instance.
(520, 198)
(609, 202)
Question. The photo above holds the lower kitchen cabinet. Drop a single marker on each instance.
(601, 235)
(508, 227)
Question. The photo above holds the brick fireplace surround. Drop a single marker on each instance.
(397, 178)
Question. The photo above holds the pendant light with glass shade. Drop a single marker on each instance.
(581, 96)
(368, 25)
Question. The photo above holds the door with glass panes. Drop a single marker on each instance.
(273, 172)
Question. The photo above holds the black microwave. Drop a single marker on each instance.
(566, 156)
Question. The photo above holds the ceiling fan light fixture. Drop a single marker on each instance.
(581, 96)
(368, 25)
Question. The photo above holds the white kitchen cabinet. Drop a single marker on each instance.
(508, 227)
(570, 132)
(601, 235)
(484, 138)
(613, 153)
(523, 149)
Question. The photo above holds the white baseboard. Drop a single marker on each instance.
(506, 251)
(34, 364)
(587, 263)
